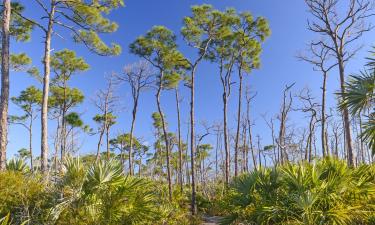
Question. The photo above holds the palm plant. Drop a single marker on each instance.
(359, 97)
(17, 164)
(102, 194)
(324, 192)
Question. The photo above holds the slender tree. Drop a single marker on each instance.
(86, 20)
(199, 31)
(107, 103)
(64, 65)
(12, 26)
(29, 101)
(249, 34)
(159, 48)
(139, 77)
(283, 117)
(223, 52)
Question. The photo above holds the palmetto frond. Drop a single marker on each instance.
(359, 93)
(323, 192)
(17, 164)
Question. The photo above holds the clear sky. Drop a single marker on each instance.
(287, 20)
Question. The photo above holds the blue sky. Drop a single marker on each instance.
(280, 66)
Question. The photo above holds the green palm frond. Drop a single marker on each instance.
(17, 164)
(369, 132)
(359, 93)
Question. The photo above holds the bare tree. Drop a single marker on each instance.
(139, 77)
(271, 126)
(249, 98)
(320, 57)
(310, 107)
(106, 101)
(341, 29)
(283, 117)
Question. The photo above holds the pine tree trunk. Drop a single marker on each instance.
(4, 84)
(46, 80)
(134, 115)
(180, 180)
(238, 123)
(226, 141)
(99, 143)
(323, 128)
(192, 142)
(31, 142)
(348, 137)
(166, 138)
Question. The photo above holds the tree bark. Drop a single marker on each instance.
(192, 141)
(46, 80)
(31, 143)
(4, 84)
(323, 128)
(238, 122)
(166, 138)
(347, 129)
(134, 115)
(179, 140)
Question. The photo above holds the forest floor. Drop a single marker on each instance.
(211, 220)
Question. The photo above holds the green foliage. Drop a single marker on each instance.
(108, 118)
(203, 27)
(73, 97)
(156, 117)
(19, 62)
(359, 97)
(159, 48)
(28, 99)
(25, 197)
(101, 194)
(74, 120)
(24, 153)
(65, 63)
(18, 165)
(324, 192)
(19, 28)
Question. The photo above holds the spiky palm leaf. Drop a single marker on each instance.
(359, 96)
(17, 164)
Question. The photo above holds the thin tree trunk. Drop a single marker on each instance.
(63, 126)
(251, 146)
(226, 141)
(166, 139)
(47, 70)
(179, 140)
(4, 84)
(99, 143)
(31, 143)
(134, 115)
(238, 123)
(107, 141)
(323, 128)
(192, 141)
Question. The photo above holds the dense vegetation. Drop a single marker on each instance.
(298, 175)
(323, 192)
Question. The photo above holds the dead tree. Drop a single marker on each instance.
(341, 29)
(320, 57)
(310, 107)
(249, 97)
(107, 102)
(283, 117)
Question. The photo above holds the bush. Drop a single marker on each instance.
(324, 192)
